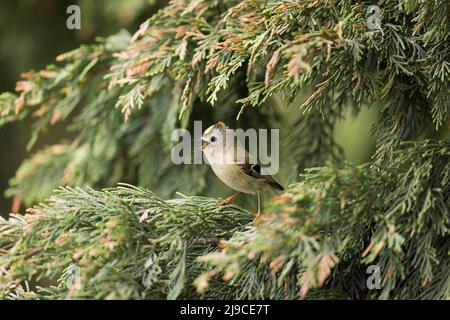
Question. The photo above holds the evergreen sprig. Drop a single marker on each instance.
(242, 57)
(316, 240)
(329, 227)
(122, 97)
(123, 242)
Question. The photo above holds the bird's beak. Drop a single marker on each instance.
(204, 144)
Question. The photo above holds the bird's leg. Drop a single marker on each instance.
(229, 199)
(259, 207)
(259, 203)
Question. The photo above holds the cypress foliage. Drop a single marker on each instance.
(122, 97)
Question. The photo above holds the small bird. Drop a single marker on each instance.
(234, 165)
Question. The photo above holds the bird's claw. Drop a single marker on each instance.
(258, 216)
(229, 199)
(226, 201)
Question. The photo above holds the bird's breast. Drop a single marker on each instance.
(236, 179)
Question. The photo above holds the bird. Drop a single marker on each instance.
(225, 153)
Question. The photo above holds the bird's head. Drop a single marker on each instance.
(214, 135)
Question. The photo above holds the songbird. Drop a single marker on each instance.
(232, 164)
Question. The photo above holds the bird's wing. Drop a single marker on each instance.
(254, 170)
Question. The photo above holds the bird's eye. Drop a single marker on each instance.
(213, 139)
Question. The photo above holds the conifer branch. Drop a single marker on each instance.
(316, 240)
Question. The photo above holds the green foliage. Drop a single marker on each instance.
(336, 221)
(321, 235)
(127, 242)
(243, 62)
(251, 53)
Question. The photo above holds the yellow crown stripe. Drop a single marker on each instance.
(219, 124)
(209, 129)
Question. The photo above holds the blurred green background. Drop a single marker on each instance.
(34, 32)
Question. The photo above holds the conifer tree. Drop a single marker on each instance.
(110, 216)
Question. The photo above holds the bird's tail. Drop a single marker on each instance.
(275, 185)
